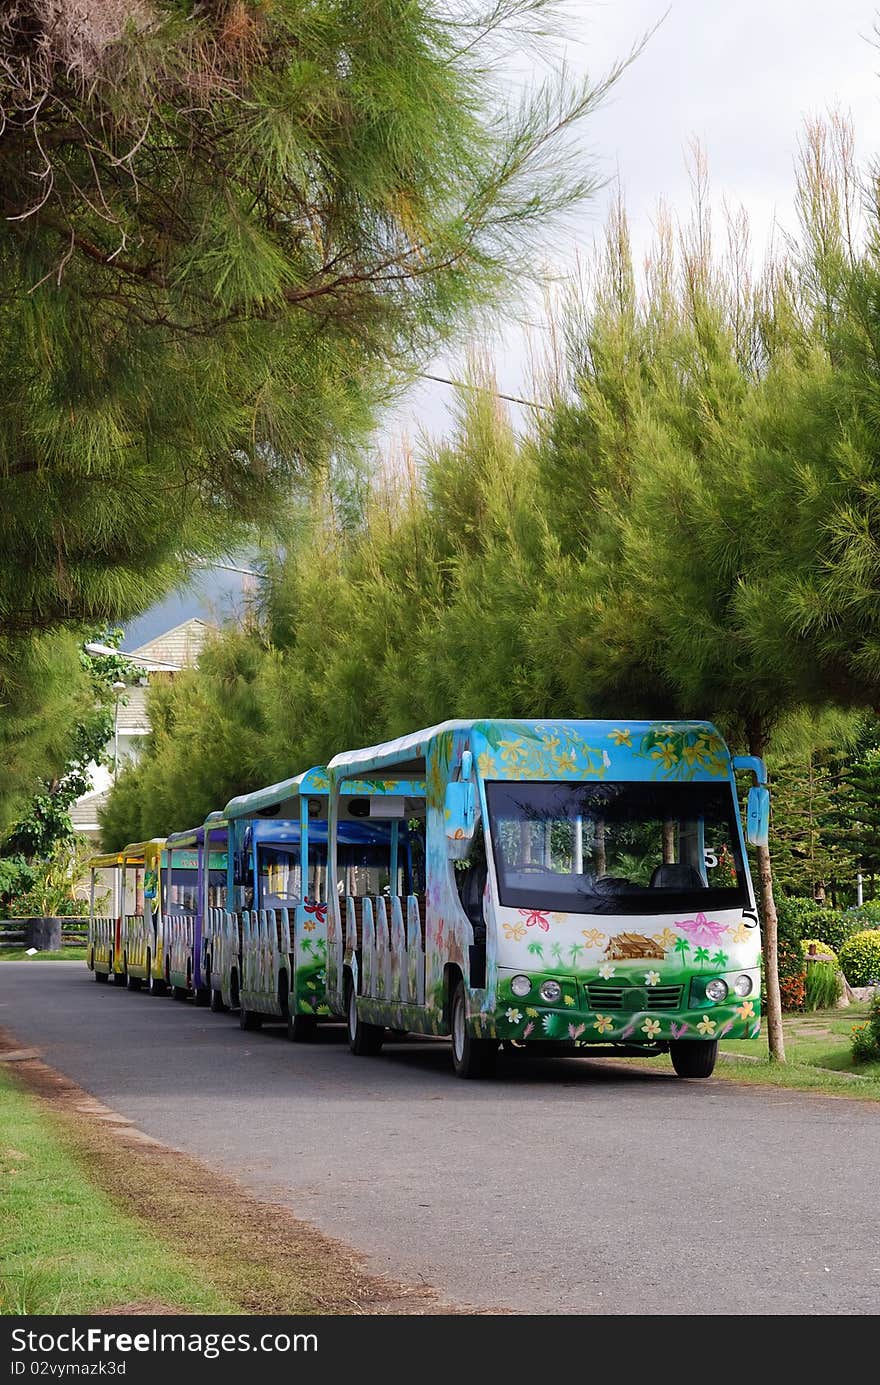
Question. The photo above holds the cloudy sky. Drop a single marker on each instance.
(741, 78)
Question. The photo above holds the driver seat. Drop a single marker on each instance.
(673, 875)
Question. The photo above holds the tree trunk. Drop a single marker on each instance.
(769, 931)
(44, 934)
(668, 842)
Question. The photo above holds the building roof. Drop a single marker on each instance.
(84, 812)
(177, 647)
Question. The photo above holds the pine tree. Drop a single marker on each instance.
(229, 230)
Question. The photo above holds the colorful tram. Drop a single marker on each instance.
(578, 885)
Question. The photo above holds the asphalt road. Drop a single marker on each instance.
(564, 1185)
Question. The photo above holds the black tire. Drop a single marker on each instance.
(120, 978)
(364, 1040)
(694, 1059)
(102, 977)
(202, 996)
(155, 985)
(179, 993)
(134, 982)
(301, 1029)
(470, 1057)
(217, 1006)
(249, 1019)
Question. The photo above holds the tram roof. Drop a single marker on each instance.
(311, 781)
(407, 754)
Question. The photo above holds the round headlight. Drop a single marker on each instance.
(743, 985)
(520, 985)
(551, 991)
(716, 990)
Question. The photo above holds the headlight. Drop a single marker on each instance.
(521, 985)
(743, 985)
(551, 991)
(716, 990)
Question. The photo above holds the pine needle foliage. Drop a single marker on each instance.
(229, 229)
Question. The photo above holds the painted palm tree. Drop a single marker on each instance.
(719, 960)
(683, 947)
(536, 949)
(556, 953)
(574, 952)
(701, 955)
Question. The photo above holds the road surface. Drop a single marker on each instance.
(564, 1185)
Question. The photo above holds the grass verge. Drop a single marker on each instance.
(96, 1216)
(818, 1057)
(19, 954)
(64, 1246)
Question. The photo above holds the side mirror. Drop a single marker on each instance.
(758, 815)
(459, 811)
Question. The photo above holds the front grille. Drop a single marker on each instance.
(632, 998)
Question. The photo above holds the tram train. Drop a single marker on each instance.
(578, 886)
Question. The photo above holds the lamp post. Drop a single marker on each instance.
(118, 687)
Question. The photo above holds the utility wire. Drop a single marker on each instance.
(466, 385)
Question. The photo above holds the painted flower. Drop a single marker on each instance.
(548, 1024)
(513, 932)
(621, 737)
(575, 1032)
(565, 761)
(528, 1030)
(593, 937)
(531, 1012)
(513, 1016)
(568, 1000)
(691, 755)
(702, 929)
(604, 1022)
(512, 751)
(651, 1028)
(746, 1010)
(666, 939)
(311, 906)
(485, 764)
(676, 1030)
(309, 925)
(740, 933)
(607, 970)
(652, 978)
(707, 1027)
(665, 752)
(536, 918)
(666, 730)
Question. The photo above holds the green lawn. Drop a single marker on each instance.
(19, 954)
(64, 1247)
(817, 1051)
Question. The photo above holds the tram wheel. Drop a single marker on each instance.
(694, 1059)
(471, 1057)
(301, 1029)
(364, 1040)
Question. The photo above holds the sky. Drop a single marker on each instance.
(741, 78)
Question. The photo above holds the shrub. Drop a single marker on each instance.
(860, 957)
(822, 990)
(822, 949)
(865, 1040)
(806, 919)
(792, 967)
(867, 914)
